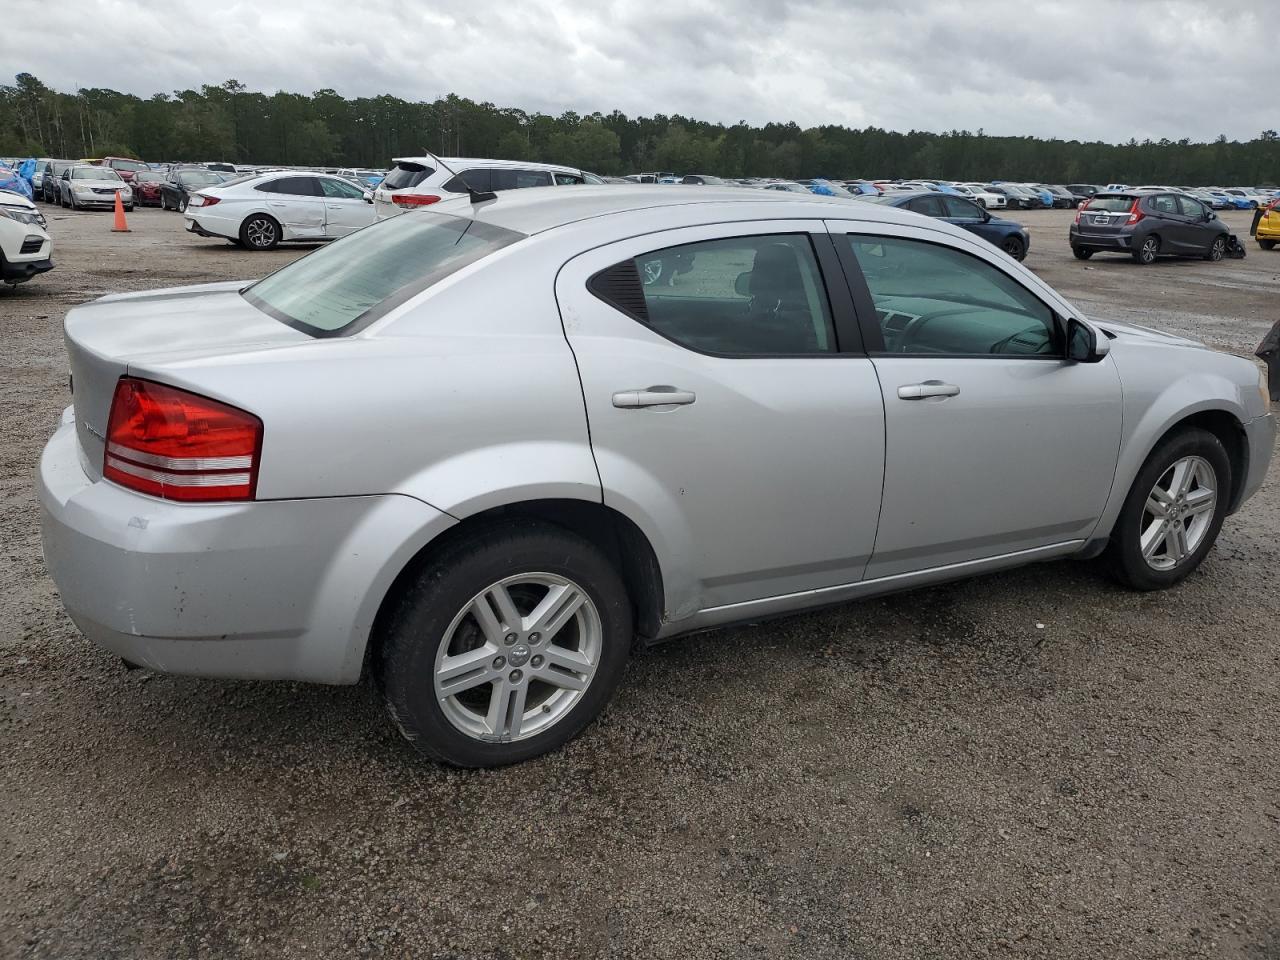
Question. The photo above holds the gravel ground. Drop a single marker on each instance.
(1034, 764)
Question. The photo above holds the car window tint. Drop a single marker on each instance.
(407, 174)
(961, 208)
(1164, 203)
(1191, 207)
(292, 186)
(341, 190)
(348, 284)
(929, 206)
(567, 179)
(933, 299)
(510, 179)
(741, 296)
(479, 180)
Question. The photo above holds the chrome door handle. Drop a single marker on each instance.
(930, 388)
(662, 396)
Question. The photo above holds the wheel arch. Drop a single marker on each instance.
(611, 531)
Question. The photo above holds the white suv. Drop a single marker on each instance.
(421, 181)
(24, 244)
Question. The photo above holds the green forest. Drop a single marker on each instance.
(229, 122)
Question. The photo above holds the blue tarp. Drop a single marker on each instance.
(11, 181)
(27, 169)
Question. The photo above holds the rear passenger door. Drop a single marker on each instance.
(297, 202)
(732, 414)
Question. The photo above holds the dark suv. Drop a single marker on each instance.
(1148, 225)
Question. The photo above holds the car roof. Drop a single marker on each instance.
(467, 163)
(538, 209)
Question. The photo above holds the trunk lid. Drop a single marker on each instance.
(107, 337)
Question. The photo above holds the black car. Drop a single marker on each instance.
(1063, 199)
(182, 183)
(53, 169)
(1018, 197)
(1147, 226)
(1082, 191)
(1010, 237)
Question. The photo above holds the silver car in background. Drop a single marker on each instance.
(83, 185)
(478, 451)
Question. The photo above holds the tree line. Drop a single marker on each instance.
(229, 122)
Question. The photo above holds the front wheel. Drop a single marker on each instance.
(1173, 512)
(1216, 249)
(1014, 247)
(505, 645)
(1081, 253)
(1147, 251)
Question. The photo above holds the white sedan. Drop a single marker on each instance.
(260, 212)
(980, 195)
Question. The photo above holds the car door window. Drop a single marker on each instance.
(738, 296)
(929, 206)
(518, 179)
(341, 190)
(961, 209)
(1192, 208)
(479, 180)
(291, 186)
(1165, 205)
(567, 179)
(933, 299)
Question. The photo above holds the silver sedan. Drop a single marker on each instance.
(478, 451)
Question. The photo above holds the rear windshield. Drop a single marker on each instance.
(404, 175)
(1113, 204)
(347, 285)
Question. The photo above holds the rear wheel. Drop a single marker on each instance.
(1081, 253)
(1173, 512)
(1216, 249)
(1267, 244)
(1014, 247)
(1147, 251)
(260, 232)
(505, 646)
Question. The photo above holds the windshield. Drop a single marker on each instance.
(194, 178)
(94, 173)
(347, 285)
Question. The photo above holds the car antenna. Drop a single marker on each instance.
(477, 196)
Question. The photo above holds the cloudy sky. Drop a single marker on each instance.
(1090, 69)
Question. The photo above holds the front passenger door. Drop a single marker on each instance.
(995, 444)
(345, 209)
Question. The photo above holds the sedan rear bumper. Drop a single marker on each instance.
(278, 589)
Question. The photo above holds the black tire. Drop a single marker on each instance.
(1014, 247)
(182, 205)
(1217, 249)
(406, 648)
(1081, 253)
(1125, 551)
(260, 232)
(164, 203)
(1267, 244)
(1147, 252)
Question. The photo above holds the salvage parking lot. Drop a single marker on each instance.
(1032, 764)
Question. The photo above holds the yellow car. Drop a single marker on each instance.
(1269, 226)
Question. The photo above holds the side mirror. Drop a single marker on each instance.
(1084, 344)
(368, 197)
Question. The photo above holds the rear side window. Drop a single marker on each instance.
(406, 174)
(345, 286)
(740, 296)
(518, 179)
(929, 206)
(292, 186)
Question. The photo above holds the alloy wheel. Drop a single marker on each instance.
(1217, 249)
(518, 657)
(260, 232)
(1178, 513)
(1150, 247)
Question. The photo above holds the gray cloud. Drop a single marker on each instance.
(1088, 69)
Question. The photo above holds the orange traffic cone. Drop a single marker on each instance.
(121, 225)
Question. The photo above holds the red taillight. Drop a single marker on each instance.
(1134, 213)
(1079, 213)
(201, 200)
(407, 200)
(180, 446)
